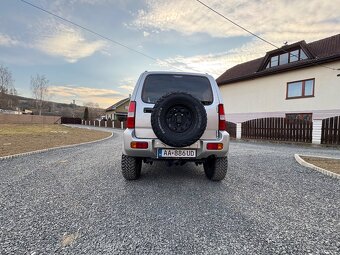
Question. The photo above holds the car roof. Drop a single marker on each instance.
(179, 73)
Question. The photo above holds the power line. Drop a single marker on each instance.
(100, 35)
(236, 24)
(255, 35)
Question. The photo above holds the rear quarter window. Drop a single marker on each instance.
(158, 85)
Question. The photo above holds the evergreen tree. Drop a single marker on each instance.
(86, 113)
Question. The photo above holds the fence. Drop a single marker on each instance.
(102, 123)
(67, 120)
(280, 129)
(330, 132)
(28, 119)
(231, 129)
(116, 124)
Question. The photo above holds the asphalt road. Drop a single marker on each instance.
(75, 201)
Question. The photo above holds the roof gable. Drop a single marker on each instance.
(321, 51)
(119, 103)
(285, 49)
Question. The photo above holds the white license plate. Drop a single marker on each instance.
(176, 153)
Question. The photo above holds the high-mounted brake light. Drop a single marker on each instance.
(131, 115)
(221, 118)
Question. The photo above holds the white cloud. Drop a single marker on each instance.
(67, 93)
(97, 2)
(215, 64)
(146, 34)
(127, 84)
(278, 20)
(69, 44)
(127, 87)
(6, 40)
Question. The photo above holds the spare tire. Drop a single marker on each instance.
(178, 119)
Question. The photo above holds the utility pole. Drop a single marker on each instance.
(74, 106)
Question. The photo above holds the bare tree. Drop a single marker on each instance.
(13, 91)
(39, 87)
(94, 110)
(6, 80)
(7, 89)
(91, 104)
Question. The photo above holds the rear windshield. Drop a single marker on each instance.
(157, 85)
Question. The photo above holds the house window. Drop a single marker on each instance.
(284, 59)
(300, 89)
(303, 55)
(287, 57)
(299, 116)
(274, 61)
(294, 56)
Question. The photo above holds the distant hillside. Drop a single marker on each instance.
(12, 102)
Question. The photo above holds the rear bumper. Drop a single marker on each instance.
(154, 144)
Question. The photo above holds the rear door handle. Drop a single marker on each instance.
(148, 110)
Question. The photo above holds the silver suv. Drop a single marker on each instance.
(178, 118)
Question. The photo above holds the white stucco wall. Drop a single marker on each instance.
(266, 96)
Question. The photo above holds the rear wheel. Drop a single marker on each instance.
(216, 168)
(131, 167)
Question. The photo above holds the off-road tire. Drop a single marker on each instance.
(131, 167)
(216, 168)
(193, 126)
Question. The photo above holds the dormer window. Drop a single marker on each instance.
(284, 59)
(303, 55)
(294, 56)
(287, 57)
(274, 61)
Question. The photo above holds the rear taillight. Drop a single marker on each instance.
(215, 146)
(221, 118)
(139, 145)
(131, 115)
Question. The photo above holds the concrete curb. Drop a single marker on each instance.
(309, 165)
(106, 129)
(51, 149)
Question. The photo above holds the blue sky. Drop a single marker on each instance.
(184, 34)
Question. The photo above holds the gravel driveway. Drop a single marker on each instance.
(75, 201)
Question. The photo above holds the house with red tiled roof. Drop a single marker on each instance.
(297, 81)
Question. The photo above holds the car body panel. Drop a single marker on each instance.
(154, 144)
(143, 130)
